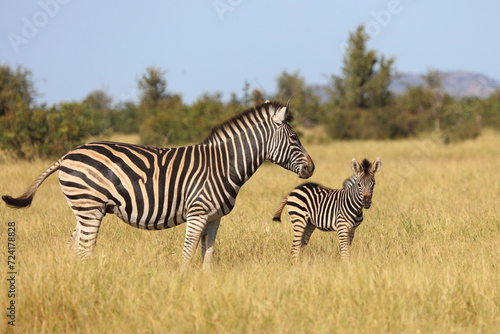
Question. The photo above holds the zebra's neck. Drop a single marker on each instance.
(240, 143)
(355, 197)
(349, 182)
(238, 154)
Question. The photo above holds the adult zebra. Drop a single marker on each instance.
(312, 206)
(157, 188)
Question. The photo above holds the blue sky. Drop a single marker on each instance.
(73, 47)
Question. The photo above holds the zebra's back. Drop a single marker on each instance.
(147, 187)
(315, 203)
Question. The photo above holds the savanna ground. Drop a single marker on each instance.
(426, 259)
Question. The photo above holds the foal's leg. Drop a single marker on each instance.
(344, 240)
(307, 235)
(351, 235)
(299, 229)
(357, 222)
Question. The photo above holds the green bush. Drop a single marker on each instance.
(125, 118)
(48, 132)
(173, 123)
(459, 122)
(387, 122)
(165, 124)
(488, 110)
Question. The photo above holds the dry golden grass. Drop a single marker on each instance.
(426, 259)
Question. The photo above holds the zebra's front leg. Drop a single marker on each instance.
(351, 235)
(344, 242)
(207, 243)
(357, 221)
(194, 229)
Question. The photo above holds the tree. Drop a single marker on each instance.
(29, 131)
(167, 124)
(251, 97)
(361, 105)
(303, 98)
(207, 111)
(99, 103)
(488, 111)
(414, 103)
(365, 75)
(16, 89)
(125, 118)
(153, 87)
(99, 100)
(434, 84)
(161, 114)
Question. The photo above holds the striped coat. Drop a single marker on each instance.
(312, 206)
(156, 188)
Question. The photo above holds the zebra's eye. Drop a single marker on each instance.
(293, 137)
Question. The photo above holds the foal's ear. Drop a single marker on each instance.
(356, 168)
(376, 166)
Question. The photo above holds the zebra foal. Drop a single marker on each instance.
(156, 188)
(312, 206)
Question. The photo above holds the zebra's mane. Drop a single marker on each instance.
(349, 182)
(366, 165)
(268, 108)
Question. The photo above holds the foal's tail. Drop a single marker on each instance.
(25, 199)
(279, 209)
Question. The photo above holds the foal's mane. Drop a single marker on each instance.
(349, 182)
(268, 108)
(366, 165)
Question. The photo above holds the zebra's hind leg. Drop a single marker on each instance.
(84, 236)
(299, 229)
(307, 234)
(207, 243)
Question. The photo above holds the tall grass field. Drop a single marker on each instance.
(426, 259)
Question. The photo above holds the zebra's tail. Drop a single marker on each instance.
(277, 214)
(25, 199)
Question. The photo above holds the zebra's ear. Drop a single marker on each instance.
(282, 115)
(376, 166)
(356, 168)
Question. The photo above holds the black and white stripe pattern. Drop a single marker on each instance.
(156, 188)
(312, 206)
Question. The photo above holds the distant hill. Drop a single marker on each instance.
(456, 83)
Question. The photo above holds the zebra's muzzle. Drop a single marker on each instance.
(306, 170)
(367, 201)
